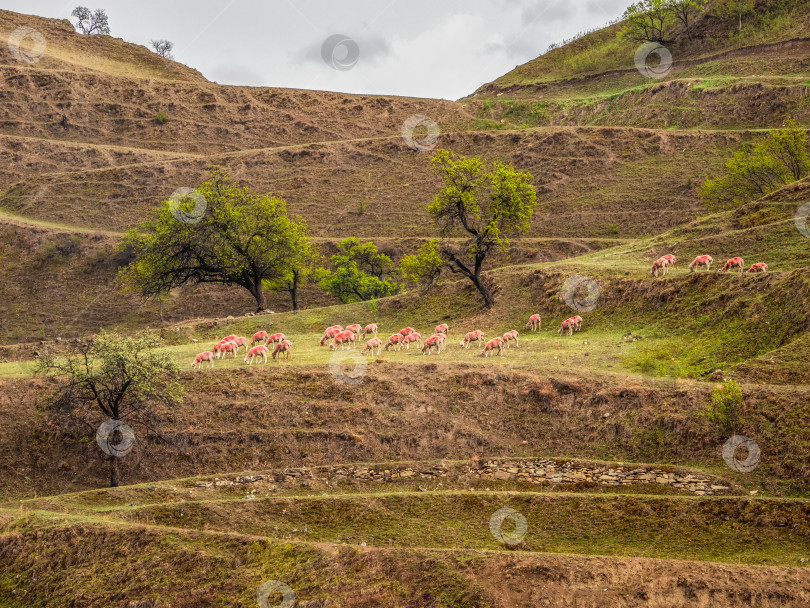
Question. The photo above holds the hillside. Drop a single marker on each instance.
(378, 481)
(718, 78)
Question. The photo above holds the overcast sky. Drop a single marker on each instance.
(436, 48)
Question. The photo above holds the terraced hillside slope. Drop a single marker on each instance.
(576, 470)
(717, 77)
(339, 160)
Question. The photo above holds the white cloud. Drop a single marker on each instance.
(407, 47)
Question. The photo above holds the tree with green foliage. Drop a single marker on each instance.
(126, 379)
(361, 273)
(91, 22)
(303, 258)
(734, 8)
(788, 148)
(219, 233)
(648, 20)
(487, 205)
(686, 10)
(424, 267)
(756, 170)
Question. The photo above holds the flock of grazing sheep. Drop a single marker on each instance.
(338, 336)
(663, 264)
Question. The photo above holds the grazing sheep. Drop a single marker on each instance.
(472, 337)
(414, 337)
(285, 348)
(228, 347)
(490, 347)
(203, 357)
(330, 333)
(510, 335)
(567, 325)
(259, 337)
(394, 342)
(434, 341)
(343, 339)
(701, 260)
(534, 323)
(255, 352)
(371, 345)
(734, 263)
(659, 265)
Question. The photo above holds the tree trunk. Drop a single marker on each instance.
(115, 472)
(162, 320)
(258, 294)
(489, 300)
(294, 291)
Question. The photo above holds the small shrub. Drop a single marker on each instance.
(57, 251)
(725, 407)
(161, 118)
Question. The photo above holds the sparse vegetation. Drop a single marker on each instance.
(161, 118)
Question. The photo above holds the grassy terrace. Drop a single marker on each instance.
(730, 529)
(674, 344)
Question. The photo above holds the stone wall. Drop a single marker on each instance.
(528, 470)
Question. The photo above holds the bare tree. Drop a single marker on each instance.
(91, 22)
(163, 48)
